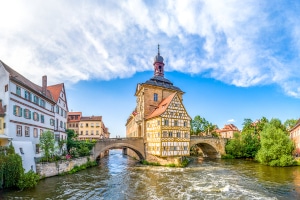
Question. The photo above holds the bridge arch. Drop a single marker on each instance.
(121, 146)
(135, 144)
(210, 146)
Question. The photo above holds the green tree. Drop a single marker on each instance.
(47, 143)
(259, 126)
(290, 123)
(12, 172)
(72, 141)
(28, 180)
(247, 143)
(61, 145)
(78, 147)
(248, 124)
(83, 149)
(234, 146)
(276, 147)
(250, 144)
(200, 125)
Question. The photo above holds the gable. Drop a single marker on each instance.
(176, 109)
(162, 106)
(170, 107)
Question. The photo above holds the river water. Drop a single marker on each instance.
(120, 177)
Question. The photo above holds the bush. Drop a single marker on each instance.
(145, 162)
(12, 170)
(83, 166)
(185, 162)
(83, 149)
(170, 165)
(28, 180)
(276, 147)
(227, 156)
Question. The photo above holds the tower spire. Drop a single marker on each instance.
(158, 50)
(158, 64)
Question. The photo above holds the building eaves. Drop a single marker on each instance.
(91, 118)
(162, 82)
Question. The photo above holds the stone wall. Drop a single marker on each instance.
(132, 154)
(53, 169)
(164, 161)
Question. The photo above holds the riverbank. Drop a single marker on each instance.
(60, 167)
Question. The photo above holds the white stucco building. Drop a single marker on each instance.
(30, 109)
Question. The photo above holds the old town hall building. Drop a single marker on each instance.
(160, 116)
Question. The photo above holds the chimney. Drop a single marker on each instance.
(44, 85)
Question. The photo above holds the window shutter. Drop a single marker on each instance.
(20, 112)
(29, 114)
(15, 110)
(24, 113)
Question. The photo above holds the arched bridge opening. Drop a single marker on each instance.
(211, 147)
(135, 144)
(206, 150)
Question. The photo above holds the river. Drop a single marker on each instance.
(120, 177)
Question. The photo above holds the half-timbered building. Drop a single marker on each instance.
(160, 116)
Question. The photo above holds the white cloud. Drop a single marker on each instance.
(230, 121)
(237, 42)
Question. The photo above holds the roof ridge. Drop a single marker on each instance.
(16, 76)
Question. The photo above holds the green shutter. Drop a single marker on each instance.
(24, 113)
(15, 110)
(20, 112)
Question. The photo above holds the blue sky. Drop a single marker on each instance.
(234, 59)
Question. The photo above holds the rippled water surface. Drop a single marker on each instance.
(120, 177)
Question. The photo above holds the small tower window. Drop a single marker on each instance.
(159, 68)
(155, 97)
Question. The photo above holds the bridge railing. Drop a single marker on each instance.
(117, 139)
(203, 137)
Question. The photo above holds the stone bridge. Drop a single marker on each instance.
(211, 147)
(135, 144)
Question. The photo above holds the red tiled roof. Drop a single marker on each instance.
(228, 127)
(163, 105)
(55, 90)
(91, 118)
(74, 114)
(18, 78)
